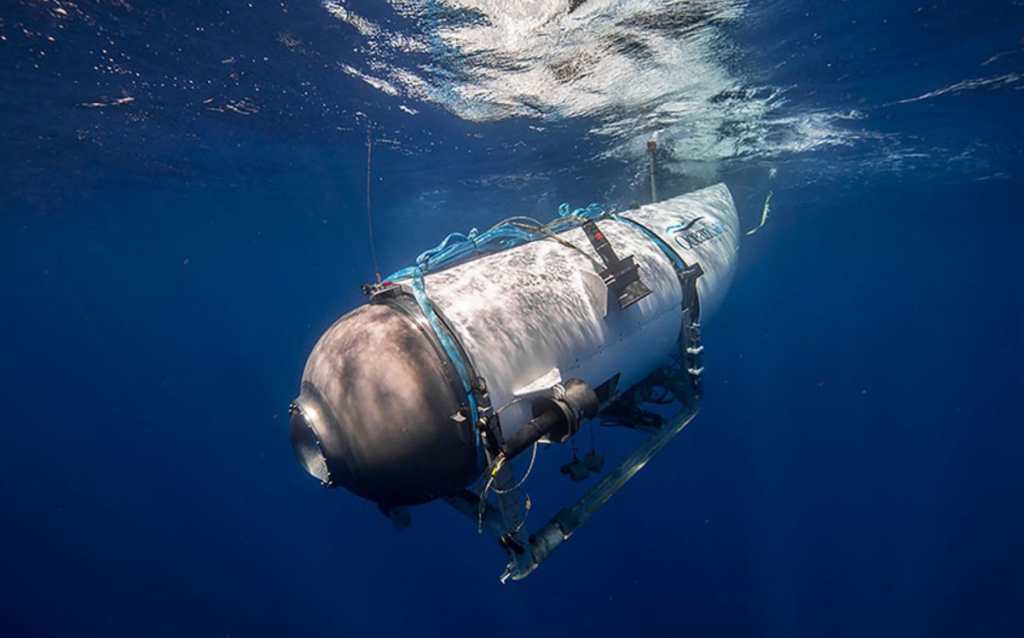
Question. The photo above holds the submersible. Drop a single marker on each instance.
(497, 342)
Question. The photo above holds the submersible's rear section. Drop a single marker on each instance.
(451, 369)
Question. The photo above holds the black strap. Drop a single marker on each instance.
(690, 344)
(600, 243)
(489, 426)
(621, 276)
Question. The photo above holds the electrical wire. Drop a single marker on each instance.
(526, 475)
(489, 487)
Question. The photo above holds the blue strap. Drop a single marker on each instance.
(457, 247)
(688, 284)
(673, 256)
(452, 350)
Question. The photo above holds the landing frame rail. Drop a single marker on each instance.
(523, 560)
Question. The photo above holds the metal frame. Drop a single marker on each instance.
(527, 556)
(527, 551)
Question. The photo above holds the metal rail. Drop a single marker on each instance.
(567, 521)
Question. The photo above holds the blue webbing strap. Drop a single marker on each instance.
(450, 348)
(673, 256)
(690, 335)
(459, 247)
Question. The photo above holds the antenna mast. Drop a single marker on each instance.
(652, 148)
(369, 208)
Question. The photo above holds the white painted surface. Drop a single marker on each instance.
(525, 311)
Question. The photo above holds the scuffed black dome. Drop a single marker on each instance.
(374, 411)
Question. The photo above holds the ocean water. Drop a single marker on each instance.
(183, 186)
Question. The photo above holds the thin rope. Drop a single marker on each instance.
(369, 208)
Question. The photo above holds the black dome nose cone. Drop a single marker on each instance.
(376, 408)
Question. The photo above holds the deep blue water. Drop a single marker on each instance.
(182, 187)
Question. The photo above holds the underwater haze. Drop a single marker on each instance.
(183, 187)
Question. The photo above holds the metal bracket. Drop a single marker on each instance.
(527, 551)
(621, 276)
(562, 526)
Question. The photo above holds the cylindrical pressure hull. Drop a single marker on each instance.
(523, 312)
(381, 393)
